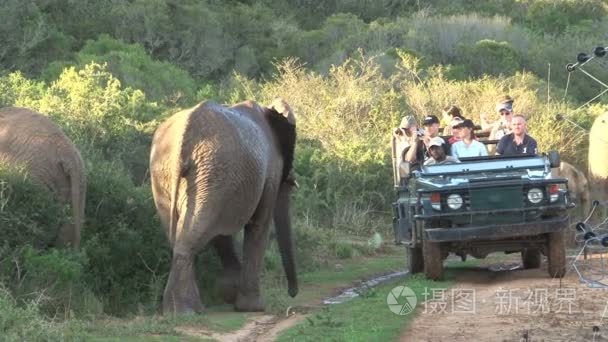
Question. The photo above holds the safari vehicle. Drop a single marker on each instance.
(480, 206)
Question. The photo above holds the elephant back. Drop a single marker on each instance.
(35, 143)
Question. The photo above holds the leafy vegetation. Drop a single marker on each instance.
(109, 72)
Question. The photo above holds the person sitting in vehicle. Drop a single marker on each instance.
(517, 142)
(468, 146)
(431, 130)
(449, 114)
(455, 129)
(437, 153)
(502, 127)
(406, 136)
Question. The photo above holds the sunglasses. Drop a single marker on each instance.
(504, 112)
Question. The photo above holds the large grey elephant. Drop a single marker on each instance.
(216, 170)
(33, 141)
(598, 158)
(577, 184)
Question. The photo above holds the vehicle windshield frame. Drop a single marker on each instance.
(484, 164)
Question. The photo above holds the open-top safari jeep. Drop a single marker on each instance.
(479, 206)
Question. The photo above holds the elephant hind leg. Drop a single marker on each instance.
(228, 283)
(181, 293)
(254, 245)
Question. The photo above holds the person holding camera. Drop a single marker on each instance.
(407, 135)
(414, 142)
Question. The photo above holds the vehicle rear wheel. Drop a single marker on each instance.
(556, 254)
(433, 261)
(531, 258)
(415, 259)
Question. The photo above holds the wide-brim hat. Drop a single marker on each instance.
(408, 121)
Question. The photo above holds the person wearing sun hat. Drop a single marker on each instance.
(406, 135)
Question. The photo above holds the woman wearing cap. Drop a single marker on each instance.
(468, 146)
(455, 130)
(449, 114)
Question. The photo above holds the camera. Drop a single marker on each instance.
(420, 133)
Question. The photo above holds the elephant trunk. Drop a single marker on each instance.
(282, 225)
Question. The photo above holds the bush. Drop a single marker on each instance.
(26, 322)
(490, 57)
(29, 214)
(160, 81)
(128, 252)
(551, 16)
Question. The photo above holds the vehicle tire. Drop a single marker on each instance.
(415, 260)
(531, 258)
(556, 254)
(433, 261)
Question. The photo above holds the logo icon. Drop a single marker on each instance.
(401, 300)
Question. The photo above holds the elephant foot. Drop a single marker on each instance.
(228, 285)
(252, 303)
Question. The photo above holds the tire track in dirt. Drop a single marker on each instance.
(518, 305)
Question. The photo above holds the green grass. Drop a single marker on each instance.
(335, 274)
(314, 286)
(161, 328)
(365, 318)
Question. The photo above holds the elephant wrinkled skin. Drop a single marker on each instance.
(577, 185)
(216, 170)
(32, 140)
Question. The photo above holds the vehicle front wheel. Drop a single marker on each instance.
(531, 258)
(433, 260)
(556, 254)
(415, 259)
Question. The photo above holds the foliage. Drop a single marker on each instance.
(28, 213)
(490, 57)
(123, 240)
(94, 110)
(27, 323)
(349, 68)
(556, 16)
(135, 69)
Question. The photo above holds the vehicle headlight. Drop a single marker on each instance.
(454, 201)
(535, 195)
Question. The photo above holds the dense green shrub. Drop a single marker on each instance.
(555, 16)
(29, 214)
(490, 57)
(135, 69)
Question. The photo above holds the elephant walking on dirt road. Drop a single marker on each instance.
(33, 141)
(216, 170)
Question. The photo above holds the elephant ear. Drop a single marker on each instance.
(283, 123)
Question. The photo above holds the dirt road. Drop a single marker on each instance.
(516, 305)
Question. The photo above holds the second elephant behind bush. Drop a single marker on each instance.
(32, 141)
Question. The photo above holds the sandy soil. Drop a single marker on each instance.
(516, 305)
